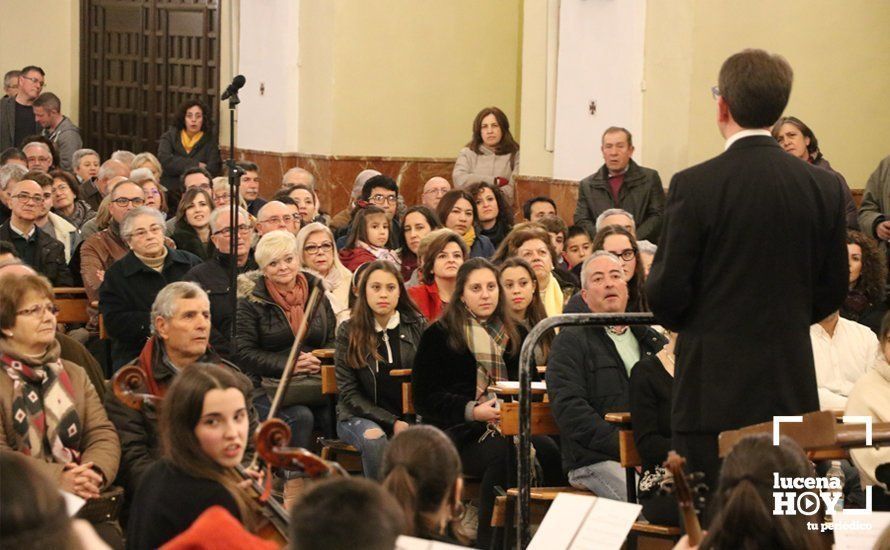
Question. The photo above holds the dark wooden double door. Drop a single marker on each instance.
(139, 60)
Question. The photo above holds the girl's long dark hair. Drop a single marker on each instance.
(420, 468)
(431, 219)
(505, 211)
(636, 286)
(362, 336)
(188, 198)
(449, 200)
(456, 315)
(535, 312)
(874, 267)
(180, 413)
(743, 503)
(358, 231)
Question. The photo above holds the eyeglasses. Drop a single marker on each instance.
(627, 254)
(436, 192)
(37, 81)
(153, 229)
(124, 201)
(60, 188)
(38, 311)
(381, 199)
(242, 228)
(151, 191)
(24, 197)
(278, 219)
(314, 249)
(715, 92)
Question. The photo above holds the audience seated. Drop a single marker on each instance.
(298, 176)
(51, 411)
(524, 303)
(492, 155)
(422, 470)
(649, 395)
(616, 216)
(383, 192)
(222, 193)
(368, 239)
(204, 428)
(537, 208)
(155, 197)
(531, 242)
(9, 175)
(132, 283)
(340, 221)
(875, 206)
(57, 127)
(417, 222)
(305, 199)
(193, 233)
(35, 247)
(578, 247)
(588, 376)
(180, 331)
(150, 162)
(621, 243)
(93, 191)
(346, 514)
(85, 165)
(865, 302)
(13, 155)
(799, 140)
(444, 253)
(274, 216)
(250, 187)
(843, 351)
(40, 153)
(320, 258)
(66, 199)
(621, 183)
(270, 309)
(381, 335)
(457, 212)
(495, 213)
(433, 191)
(104, 248)
(557, 229)
(647, 255)
(870, 397)
(51, 223)
(213, 273)
(477, 339)
(191, 141)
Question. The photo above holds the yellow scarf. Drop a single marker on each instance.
(469, 237)
(552, 297)
(188, 143)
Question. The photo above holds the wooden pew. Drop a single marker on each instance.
(334, 449)
(72, 303)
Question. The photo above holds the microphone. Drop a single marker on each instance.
(237, 84)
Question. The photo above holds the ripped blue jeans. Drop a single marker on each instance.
(352, 431)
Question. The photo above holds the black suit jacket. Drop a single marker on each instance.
(752, 252)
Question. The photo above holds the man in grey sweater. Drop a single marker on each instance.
(57, 128)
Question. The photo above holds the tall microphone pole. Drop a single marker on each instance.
(231, 93)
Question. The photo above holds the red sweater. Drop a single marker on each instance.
(426, 297)
(352, 258)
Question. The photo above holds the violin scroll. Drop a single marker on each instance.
(131, 387)
(272, 437)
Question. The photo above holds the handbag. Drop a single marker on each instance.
(106, 508)
(303, 389)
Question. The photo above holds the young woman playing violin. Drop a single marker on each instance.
(204, 427)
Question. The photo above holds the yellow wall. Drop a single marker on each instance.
(407, 76)
(840, 52)
(47, 35)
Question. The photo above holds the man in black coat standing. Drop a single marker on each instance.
(752, 253)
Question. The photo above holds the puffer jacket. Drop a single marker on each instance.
(358, 387)
(264, 334)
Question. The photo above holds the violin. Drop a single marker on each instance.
(271, 439)
(687, 498)
(270, 518)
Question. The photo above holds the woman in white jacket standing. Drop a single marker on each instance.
(491, 156)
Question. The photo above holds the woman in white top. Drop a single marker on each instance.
(491, 156)
(319, 252)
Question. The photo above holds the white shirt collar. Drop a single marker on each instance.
(743, 134)
(16, 229)
(393, 322)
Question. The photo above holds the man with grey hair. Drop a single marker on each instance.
(9, 175)
(85, 165)
(11, 82)
(588, 374)
(433, 191)
(276, 215)
(180, 330)
(93, 192)
(298, 176)
(619, 217)
(124, 156)
(621, 183)
(57, 127)
(213, 273)
(38, 156)
(132, 283)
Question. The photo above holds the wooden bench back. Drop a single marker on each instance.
(543, 421)
(72, 303)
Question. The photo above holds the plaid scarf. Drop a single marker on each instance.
(43, 409)
(380, 253)
(487, 344)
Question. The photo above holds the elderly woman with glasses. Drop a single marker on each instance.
(320, 258)
(132, 283)
(50, 412)
(66, 199)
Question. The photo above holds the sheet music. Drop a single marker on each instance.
(413, 543)
(859, 539)
(576, 522)
(73, 503)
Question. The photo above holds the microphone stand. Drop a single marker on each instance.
(234, 199)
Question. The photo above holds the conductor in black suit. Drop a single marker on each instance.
(752, 252)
